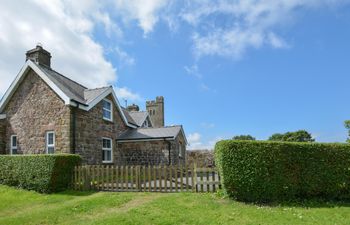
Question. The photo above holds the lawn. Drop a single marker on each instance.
(24, 207)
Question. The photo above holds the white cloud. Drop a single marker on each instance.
(276, 41)
(247, 24)
(207, 125)
(144, 11)
(196, 143)
(124, 57)
(194, 137)
(193, 70)
(64, 29)
(124, 93)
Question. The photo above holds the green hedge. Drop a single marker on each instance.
(42, 173)
(262, 171)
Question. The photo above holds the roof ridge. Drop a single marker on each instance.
(91, 89)
(49, 68)
(159, 127)
(138, 111)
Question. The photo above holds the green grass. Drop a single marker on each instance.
(24, 207)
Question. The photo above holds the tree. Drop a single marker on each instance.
(244, 138)
(296, 136)
(347, 126)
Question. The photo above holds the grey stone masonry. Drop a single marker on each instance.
(33, 110)
(91, 128)
(2, 136)
(156, 152)
(156, 111)
(41, 100)
(39, 55)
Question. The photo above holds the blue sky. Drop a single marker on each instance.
(224, 67)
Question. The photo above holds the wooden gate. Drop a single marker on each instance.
(146, 178)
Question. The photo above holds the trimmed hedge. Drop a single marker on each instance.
(42, 173)
(263, 171)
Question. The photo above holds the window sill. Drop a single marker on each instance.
(108, 120)
(107, 162)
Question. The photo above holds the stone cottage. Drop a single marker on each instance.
(44, 112)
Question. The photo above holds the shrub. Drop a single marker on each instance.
(42, 173)
(261, 171)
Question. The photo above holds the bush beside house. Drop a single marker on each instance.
(42, 173)
(263, 171)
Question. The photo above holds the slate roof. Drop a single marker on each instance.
(128, 117)
(91, 94)
(151, 133)
(72, 89)
(139, 117)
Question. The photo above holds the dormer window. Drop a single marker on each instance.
(107, 110)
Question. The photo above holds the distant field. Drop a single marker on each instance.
(23, 207)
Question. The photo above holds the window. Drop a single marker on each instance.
(106, 150)
(180, 149)
(107, 110)
(50, 142)
(13, 144)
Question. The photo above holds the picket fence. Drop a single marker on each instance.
(146, 178)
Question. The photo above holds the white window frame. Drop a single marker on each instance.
(107, 149)
(47, 142)
(109, 110)
(12, 147)
(180, 149)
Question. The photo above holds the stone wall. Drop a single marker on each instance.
(143, 153)
(202, 158)
(150, 152)
(176, 155)
(2, 136)
(91, 128)
(33, 110)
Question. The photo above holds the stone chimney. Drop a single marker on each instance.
(39, 56)
(133, 107)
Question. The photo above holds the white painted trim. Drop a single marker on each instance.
(52, 85)
(148, 139)
(183, 134)
(120, 109)
(149, 119)
(108, 149)
(2, 116)
(20, 76)
(109, 110)
(31, 65)
(103, 95)
(47, 139)
(99, 98)
(11, 146)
